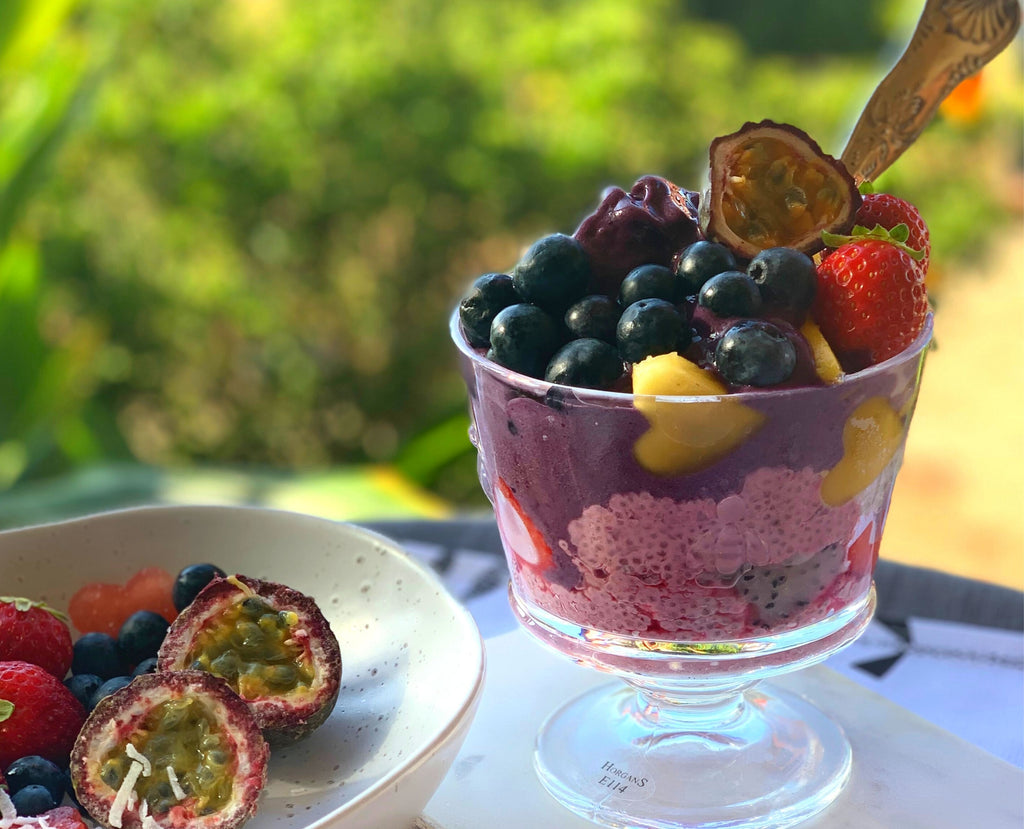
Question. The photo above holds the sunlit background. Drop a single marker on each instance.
(231, 234)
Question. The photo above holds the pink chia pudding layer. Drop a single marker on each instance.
(743, 547)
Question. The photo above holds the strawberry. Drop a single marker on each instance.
(871, 301)
(519, 534)
(889, 212)
(32, 632)
(38, 715)
(863, 553)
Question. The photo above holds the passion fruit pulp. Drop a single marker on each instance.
(270, 643)
(771, 185)
(171, 750)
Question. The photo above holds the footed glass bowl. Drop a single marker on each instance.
(692, 546)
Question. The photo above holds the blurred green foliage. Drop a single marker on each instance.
(247, 248)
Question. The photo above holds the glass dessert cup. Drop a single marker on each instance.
(693, 547)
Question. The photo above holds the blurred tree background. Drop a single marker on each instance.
(231, 231)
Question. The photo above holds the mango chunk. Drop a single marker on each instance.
(872, 436)
(825, 363)
(686, 437)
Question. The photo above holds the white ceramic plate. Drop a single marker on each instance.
(412, 656)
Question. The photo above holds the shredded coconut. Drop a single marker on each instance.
(172, 778)
(135, 754)
(121, 800)
(7, 811)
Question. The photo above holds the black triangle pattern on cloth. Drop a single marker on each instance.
(880, 667)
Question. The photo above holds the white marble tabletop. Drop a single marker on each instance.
(907, 773)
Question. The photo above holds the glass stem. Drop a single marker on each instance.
(699, 708)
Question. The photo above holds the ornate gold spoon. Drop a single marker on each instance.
(953, 39)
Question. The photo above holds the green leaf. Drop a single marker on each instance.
(29, 175)
(897, 236)
(6, 709)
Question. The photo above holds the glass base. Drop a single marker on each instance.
(732, 756)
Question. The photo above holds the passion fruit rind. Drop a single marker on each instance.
(270, 643)
(224, 755)
(771, 185)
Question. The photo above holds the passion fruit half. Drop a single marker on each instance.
(270, 643)
(771, 186)
(170, 750)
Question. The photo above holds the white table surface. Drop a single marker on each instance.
(907, 773)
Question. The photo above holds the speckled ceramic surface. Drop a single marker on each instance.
(413, 659)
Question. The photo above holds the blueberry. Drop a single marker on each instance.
(786, 277)
(730, 294)
(590, 363)
(191, 580)
(594, 317)
(141, 635)
(523, 338)
(34, 770)
(755, 353)
(108, 688)
(650, 327)
(648, 282)
(488, 295)
(32, 800)
(701, 261)
(553, 273)
(83, 686)
(146, 666)
(96, 653)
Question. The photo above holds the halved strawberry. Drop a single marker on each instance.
(863, 552)
(519, 534)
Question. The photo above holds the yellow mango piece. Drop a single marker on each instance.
(872, 435)
(825, 363)
(686, 437)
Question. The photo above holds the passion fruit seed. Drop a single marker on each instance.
(189, 757)
(250, 645)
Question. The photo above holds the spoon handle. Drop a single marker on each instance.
(953, 39)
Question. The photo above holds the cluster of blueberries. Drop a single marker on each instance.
(101, 664)
(540, 321)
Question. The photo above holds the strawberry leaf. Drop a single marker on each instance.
(866, 188)
(23, 605)
(897, 236)
(900, 233)
(6, 709)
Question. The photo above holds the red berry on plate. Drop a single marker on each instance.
(98, 608)
(32, 632)
(38, 715)
(103, 608)
(151, 589)
(64, 817)
(889, 211)
(871, 301)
